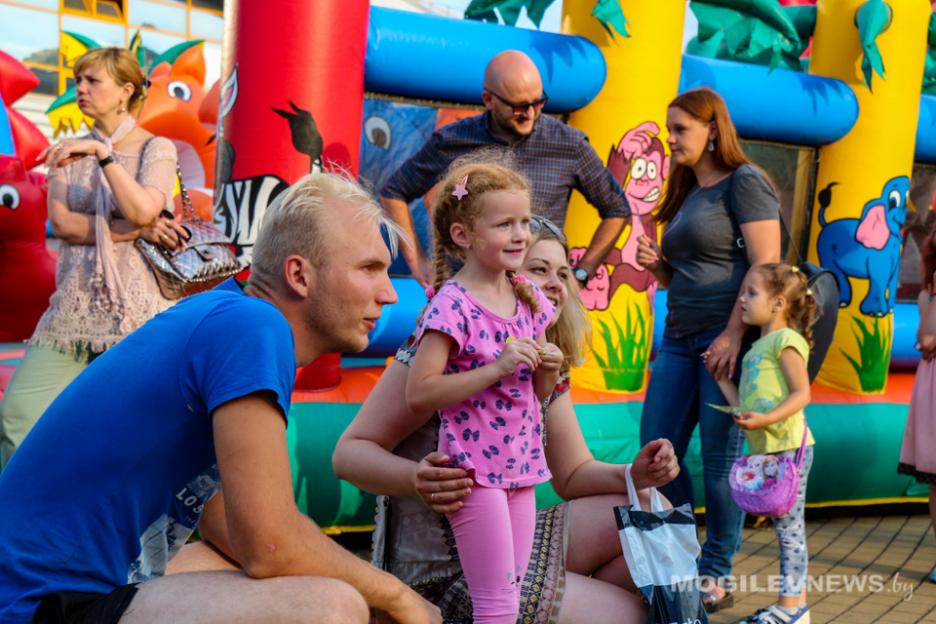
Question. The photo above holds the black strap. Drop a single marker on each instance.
(785, 231)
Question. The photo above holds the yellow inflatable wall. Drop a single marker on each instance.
(627, 122)
(863, 180)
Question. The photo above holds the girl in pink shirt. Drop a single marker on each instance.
(483, 363)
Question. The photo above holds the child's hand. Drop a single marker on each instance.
(521, 351)
(552, 358)
(751, 420)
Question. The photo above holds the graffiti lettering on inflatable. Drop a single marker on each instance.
(240, 204)
(240, 207)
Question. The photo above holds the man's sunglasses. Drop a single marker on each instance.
(539, 224)
(519, 109)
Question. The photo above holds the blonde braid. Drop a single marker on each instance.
(524, 291)
(439, 265)
(441, 274)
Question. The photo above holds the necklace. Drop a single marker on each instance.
(717, 177)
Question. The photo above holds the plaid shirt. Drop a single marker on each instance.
(555, 157)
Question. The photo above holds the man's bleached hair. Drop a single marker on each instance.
(296, 223)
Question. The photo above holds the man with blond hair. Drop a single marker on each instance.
(132, 456)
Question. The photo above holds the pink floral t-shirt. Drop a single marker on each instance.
(497, 433)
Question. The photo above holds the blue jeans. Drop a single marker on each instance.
(680, 386)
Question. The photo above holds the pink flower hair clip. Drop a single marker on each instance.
(461, 189)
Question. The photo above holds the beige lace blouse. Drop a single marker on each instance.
(75, 321)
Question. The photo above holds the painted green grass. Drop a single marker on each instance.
(625, 363)
(874, 350)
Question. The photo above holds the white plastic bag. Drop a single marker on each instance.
(661, 548)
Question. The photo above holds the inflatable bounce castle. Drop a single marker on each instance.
(831, 98)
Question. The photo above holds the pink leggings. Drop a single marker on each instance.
(494, 535)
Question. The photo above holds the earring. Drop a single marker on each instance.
(123, 109)
(711, 145)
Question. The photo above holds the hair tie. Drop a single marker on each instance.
(794, 269)
(430, 292)
(809, 292)
(517, 279)
(146, 82)
(461, 189)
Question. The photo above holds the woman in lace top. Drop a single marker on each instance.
(105, 189)
(576, 572)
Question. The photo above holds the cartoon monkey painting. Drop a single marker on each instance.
(640, 165)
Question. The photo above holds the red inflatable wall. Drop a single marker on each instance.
(291, 102)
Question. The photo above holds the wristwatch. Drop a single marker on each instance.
(106, 160)
(581, 275)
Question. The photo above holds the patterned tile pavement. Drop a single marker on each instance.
(863, 570)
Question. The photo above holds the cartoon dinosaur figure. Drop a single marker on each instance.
(867, 247)
(391, 133)
(179, 108)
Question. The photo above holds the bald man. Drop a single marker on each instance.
(555, 157)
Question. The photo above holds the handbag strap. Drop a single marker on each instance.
(783, 225)
(802, 449)
(187, 210)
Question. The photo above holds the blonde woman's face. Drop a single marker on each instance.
(98, 93)
(547, 266)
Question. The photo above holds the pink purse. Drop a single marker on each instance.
(766, 485)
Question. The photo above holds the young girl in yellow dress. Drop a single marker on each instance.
(774, 390)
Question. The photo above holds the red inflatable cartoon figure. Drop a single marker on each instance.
(27, 270)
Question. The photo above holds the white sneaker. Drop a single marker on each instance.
(775, 615)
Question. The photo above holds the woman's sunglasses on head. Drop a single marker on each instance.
(539, 224)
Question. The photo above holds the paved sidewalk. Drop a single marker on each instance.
(863, 570)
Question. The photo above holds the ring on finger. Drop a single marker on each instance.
(432, 497)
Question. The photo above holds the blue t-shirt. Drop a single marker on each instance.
(113, 478)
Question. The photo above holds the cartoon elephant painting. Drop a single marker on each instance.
(868, 247)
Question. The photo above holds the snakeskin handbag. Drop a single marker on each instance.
(204, 260)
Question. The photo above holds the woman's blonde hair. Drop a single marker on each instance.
(122, 66)
(572, 330)
(476, 174)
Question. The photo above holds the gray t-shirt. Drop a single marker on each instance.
(704, 246)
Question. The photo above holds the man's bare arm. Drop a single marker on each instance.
(267, 534)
